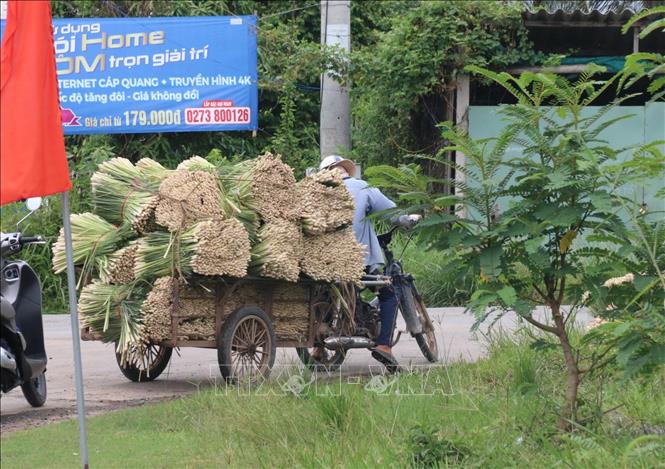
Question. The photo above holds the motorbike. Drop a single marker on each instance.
(347, 316)
(22, 353)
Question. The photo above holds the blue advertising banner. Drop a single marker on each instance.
(135, 75)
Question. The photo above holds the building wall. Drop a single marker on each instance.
(646, 124)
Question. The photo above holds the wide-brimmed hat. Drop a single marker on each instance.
(335, 160)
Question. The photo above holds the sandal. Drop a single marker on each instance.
(387, 359)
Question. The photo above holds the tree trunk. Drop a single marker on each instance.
(568, 412)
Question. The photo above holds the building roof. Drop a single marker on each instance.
(561, 27)
(577, 18)
(589, 12)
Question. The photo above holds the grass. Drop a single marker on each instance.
(437, 273)
(498, 412)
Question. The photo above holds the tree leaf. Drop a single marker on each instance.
(566, 241)
(490, 261)
(508, 295)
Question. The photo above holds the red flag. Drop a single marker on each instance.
(32, 146)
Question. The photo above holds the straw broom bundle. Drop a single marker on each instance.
(151, 174)
(278, 252)
(291, 311)
(92, 238)
(233, 204)
(119, 268)
(197, 329)
(330, 178)
(121, 169)
(333, 257)
(207, 248)
(267, 185)
(124, 193)
(119, 202)
(325, 203)
(222, 248)
(157, 311)
(196, 163)
(186, 197)
(195, 312)
(160, 254)
(248, 294)
(113, 312)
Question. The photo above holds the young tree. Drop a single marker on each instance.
(530, 203)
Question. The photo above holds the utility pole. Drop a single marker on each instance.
(335, 121)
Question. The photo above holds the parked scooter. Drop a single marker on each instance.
(22, 355)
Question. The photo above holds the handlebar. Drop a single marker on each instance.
(11, 243)
(30, 239)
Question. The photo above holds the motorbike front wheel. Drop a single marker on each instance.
(34, 390)
(426, 339)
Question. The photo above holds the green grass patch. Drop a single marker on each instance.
(498, 412)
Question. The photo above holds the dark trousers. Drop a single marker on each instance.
(388, 314)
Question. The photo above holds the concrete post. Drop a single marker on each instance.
(335, 119)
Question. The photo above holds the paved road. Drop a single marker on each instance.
(106, 388)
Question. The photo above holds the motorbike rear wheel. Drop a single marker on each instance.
(326, 360)
(34, 390)
(332, 308)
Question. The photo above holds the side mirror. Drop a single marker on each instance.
(33, 203)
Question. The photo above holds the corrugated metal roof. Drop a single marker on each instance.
(578, 16)
(599, 13)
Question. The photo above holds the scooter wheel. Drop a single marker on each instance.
(35, 390)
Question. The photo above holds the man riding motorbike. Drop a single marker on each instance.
(370, 200)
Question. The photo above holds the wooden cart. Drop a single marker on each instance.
(245, 335)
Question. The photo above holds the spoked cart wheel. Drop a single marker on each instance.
(246, 346)
(145, 364)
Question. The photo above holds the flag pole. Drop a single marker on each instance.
(76, 337)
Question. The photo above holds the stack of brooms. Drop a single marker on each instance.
(156, 235)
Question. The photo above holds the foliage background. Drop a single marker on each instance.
(405, 57)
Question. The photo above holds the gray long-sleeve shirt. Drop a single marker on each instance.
(368, 200)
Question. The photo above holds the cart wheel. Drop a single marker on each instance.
(145, 365)
(246, 346)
